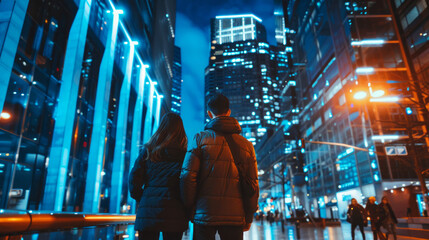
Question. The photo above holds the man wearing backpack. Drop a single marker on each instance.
(219, 179)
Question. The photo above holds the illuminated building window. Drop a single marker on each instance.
(413, 13)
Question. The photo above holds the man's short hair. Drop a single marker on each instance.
(218, 104)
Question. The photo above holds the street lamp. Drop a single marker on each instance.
(5, 115)
(360, 95)
(378, 93)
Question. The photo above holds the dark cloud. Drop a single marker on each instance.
(193, 37)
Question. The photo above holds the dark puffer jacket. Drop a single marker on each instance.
(160, 207)
(209, 180)
(357, 214)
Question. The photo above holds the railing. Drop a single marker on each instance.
(17, 222)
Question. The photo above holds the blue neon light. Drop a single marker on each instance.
(239, 16)
(409, 111)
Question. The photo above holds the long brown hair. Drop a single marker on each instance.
(170, 133)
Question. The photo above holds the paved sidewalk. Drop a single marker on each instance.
(266, 231)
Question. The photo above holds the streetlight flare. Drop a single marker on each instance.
(385, 99)
(360, 95)
(378, 93)
(5, 115)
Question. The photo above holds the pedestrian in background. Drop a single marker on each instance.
(388, 220)
(357, 217)
(158, 167)
(373, 211)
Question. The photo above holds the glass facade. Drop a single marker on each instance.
(176, 91)
(247, 72)
(342, 48)
(279, 154)
(415, 36)
(105, 93)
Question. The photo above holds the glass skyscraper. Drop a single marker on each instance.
(342, 48)
(244, 67)
(280, 159)
(80, 97)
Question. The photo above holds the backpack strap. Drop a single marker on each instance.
(234, 151)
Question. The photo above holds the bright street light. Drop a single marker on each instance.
(385, 99)
(378, 93)
(385, 137)
(5, 115)
(360, 95)
(365, 70)
(368, 42)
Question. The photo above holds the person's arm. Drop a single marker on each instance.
(368, 213)
(364, 213)
(252, 202)
(189, 174)
(392, 214)
(137, 176)
(380, 214)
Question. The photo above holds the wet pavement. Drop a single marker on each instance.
(266, 231)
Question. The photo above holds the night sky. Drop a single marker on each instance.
(193, 37)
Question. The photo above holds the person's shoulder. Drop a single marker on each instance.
(143, 153)
(204, 135)
(244, 143)
(201, 138)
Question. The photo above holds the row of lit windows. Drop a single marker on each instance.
(230, 32)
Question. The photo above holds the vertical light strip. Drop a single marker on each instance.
(284, 30)
(220, 31)
(253, 29)
(11, 39)
(148, 118)
(65, 111)
(101, 111)
(157, 113)
(136, 138)
(121, 135)
(232, 31)
(244, 32)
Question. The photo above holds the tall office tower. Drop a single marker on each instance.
(413, 25)
(176, 91)
(79, 102)
(243, 66)
(280, 23)
(355, 89)
(279, 157)
(164, 13)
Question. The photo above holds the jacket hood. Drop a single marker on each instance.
(224, 124)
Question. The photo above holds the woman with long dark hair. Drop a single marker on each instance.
(157, 170)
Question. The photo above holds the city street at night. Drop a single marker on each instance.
(149, 119)
(267, 231)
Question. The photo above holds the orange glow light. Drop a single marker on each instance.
(360, 95)
(5, 115)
